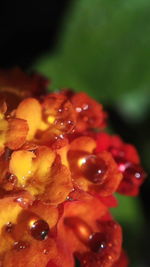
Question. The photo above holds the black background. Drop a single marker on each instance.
(28, 28)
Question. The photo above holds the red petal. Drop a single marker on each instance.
(110, 201)
(122, 261)
(89, 113)
(79, 220)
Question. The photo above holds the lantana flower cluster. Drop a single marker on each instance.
(59, 171)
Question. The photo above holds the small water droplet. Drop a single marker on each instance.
(10, 177)
(110, 257)
(9, 227)
(45, 251)
(7, 154)
(122, 163)
(10, 181)
(20, 245)
(23, 202)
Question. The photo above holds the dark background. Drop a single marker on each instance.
(29, 30)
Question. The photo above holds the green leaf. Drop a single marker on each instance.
(129, 214)
(104, 50)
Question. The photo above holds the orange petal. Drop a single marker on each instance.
(111, 180)
(9, 210)
(94, 173)
(122, 261)
(24, 250)
(79, 220)
(30, 110)
(21, 165)
(59, 185)
(3, 130)
(89, 113)
(83, 143)
(46, 211)
(16, 133)
(105, 246)
(3, 108)
(43, 162)
(59, 113)
(34, 253)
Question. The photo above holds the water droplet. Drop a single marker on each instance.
(93, 168)
(45, 251)
(39, 229)
(10, 181)
(20, 245)
(90, 166)
(122, 163)
(135, 173)
(10, 177)
(23, 202)
(7, 154)
(110, 257)
(9, 227)
(97, 241)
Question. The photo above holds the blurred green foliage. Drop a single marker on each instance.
(129, 214)
(104, 50)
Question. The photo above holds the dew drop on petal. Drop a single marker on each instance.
(9, 227)
(97, 242)
(39, 229)
(93, 168)
(20, 245)
(135, 173)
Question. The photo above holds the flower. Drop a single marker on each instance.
(59, 176)
(128, 161)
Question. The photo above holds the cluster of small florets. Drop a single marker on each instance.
(59, 170)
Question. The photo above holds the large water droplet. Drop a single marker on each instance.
(93, 168)
(39, 229)
(97, 242)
